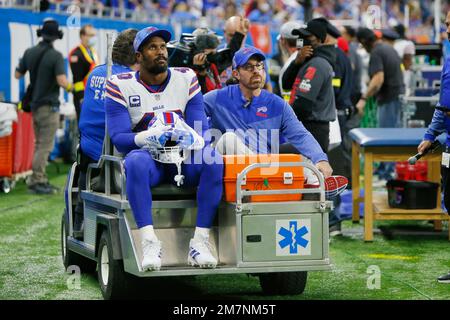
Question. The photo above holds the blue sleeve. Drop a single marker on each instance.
(210, 101)
(436, 127)
(294, 131)
(195, 114)
(444, 98)
(119, 126)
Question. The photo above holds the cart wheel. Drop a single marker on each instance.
(6, 186)
(283, 283)
(114, 282)
(71, 258)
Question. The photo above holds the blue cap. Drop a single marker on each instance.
(390, 34)
(243, 55)
(147, 33)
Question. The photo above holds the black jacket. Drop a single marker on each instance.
(343, 80)
(312, 95)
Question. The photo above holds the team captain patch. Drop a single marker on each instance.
(135, 101)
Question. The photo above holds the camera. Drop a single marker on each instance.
(182, 52)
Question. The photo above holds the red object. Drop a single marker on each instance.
(334, 185)
(343, 44)
(261, 37)
(378, 34)
(406, 171)
(17, 149)
(212, 82)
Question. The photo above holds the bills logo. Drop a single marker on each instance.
(135, 101)
(261, 112)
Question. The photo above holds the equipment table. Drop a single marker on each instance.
(389, 144)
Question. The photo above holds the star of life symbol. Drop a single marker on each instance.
(293, 237)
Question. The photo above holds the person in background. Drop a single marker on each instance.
(349, 34)
(51, 75)
(389, 36)
(92, 117)
(340, 155)
(386, 84)
(406, 49)
(206, 43)
(83, 59)
(235, 33)
(288, 44)
(312, 95)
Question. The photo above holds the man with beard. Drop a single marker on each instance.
(439, 124)
(132, 100)
(248, 109)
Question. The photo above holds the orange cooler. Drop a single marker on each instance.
(274, 178)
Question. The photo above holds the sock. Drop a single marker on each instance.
(201, 233)
(147, 233)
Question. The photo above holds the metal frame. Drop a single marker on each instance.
(242, 177)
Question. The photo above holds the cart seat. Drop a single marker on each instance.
(168, 191)
(165, 191)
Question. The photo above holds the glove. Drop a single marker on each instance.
(187, 140)
(155, 137)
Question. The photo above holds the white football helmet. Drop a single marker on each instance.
(170, 140)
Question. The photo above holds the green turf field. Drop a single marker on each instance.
(31, 266)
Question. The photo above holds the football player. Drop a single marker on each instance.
(132, 101)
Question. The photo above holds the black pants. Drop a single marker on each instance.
(341, 156)
(320, 130)
(445, 173)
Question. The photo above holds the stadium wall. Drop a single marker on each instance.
(18, 32)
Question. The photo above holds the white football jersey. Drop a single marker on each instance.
(142, 104)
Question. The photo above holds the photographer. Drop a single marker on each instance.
(204, 60)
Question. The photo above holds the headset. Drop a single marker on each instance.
(59, 34)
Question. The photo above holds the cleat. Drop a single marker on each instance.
(200, 254)
(151, 255)
(334, 186)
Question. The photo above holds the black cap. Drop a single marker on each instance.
(390, 34)
(313, 28)
(350, 30)
(50, 30)
(365, 34)
(400, 29)
(331, 29)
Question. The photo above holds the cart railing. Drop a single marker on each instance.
(240, 193)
